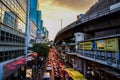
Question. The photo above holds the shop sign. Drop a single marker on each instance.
(28, 73)
(100, 45)
(86, 45)
(111, 44)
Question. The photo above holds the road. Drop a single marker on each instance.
(57, 66)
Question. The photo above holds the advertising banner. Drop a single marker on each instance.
(100, 45)
(111, 44)
(81, 45)
(28, 73)
(86, 45)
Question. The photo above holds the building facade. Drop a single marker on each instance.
(98, 42)
(33, 29)
(35, 16)
(39, 22)
(33, 12)
(12, 35)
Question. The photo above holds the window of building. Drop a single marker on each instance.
(7, 37)
(2, 36)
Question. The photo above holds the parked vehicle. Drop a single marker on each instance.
(49, 67)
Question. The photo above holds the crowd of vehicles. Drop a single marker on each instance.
(56, 68)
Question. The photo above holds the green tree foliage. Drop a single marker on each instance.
(41, 48)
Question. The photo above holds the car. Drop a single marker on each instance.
(48, 67)
(46, 76)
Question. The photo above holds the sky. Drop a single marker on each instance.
(55, 12)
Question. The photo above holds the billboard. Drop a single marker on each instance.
(86, 45)
(100, 45)
(81, 45)
(111, 44)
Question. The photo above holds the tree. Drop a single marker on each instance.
(41, 48)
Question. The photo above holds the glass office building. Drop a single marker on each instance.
(35, 15)
(12, 33)
(33, 11)
(39, 22)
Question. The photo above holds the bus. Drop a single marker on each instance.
(71, 74)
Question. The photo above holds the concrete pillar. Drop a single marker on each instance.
(27, 37)
(84, 67)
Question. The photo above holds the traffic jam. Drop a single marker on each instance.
(54, 67)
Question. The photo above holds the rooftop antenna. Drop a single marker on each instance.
(61, 23)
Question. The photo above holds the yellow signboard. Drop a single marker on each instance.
(100, 45)
(111, 44)
(86, 45)
(103, 45)
(81, 45)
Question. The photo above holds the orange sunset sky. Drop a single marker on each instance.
(67, 10)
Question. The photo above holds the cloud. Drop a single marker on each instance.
(67, 10)
(78, 5)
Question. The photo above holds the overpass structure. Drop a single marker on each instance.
(101, 20)
(100, 28)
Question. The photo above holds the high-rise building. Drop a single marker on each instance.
(33, 10)
(12, 37)
(39, 22)
(32, 37)
(44, 35)
(35, 16)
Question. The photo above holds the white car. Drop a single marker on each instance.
(49, 67)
